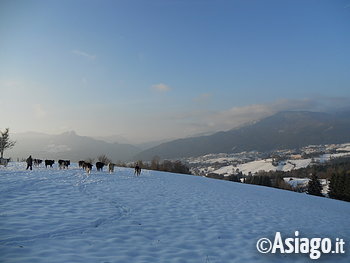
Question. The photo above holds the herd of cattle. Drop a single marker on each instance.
(64, 164)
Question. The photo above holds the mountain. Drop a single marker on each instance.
(113, 139)
(284, 130)
(147, 145)
(67, 145)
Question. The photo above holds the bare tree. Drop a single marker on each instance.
(90, 160)
(121, 164)
(155, 164)
(103, 159)
(5, 142)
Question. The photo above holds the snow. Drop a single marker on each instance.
(344, 147)
(265, 165)
(303, 182)
(296, 164)
(262, 165)
(51, 215)
(256, 166)
(227, 170)
(253, 162)
(295, 182)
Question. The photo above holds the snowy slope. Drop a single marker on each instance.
(67, 216)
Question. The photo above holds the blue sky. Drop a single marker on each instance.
(149, 70)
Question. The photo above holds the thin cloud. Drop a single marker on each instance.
(83, 54)
(161, 87)
(237, 116)
(202, 98)
(206, 121)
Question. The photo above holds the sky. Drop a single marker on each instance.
(159, 69)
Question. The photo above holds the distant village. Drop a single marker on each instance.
(250, 163)
(286, 169)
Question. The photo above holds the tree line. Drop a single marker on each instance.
(336, 171)
(165, 166)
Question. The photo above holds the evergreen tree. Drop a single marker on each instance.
(267, 180)
(314, 186)
(334, 191)
(339, 186)
(258, 180)
(347, 187)
(233, 178)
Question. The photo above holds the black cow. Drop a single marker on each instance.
(99, 166)
(49, 163)
(87, 167)
(63, 164)
(37, 162)
(111, 167)
(137, 170)
(81, 164)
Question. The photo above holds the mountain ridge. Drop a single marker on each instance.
(68, 145)
(283, 130)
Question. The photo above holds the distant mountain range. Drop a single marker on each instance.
(68, 145)
(284, 130)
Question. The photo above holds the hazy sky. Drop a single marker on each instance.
(154, 69)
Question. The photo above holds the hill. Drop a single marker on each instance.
(68, 145)
(51, 215)
(284, 130)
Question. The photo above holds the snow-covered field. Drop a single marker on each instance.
(264, 165)
(51, 215)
